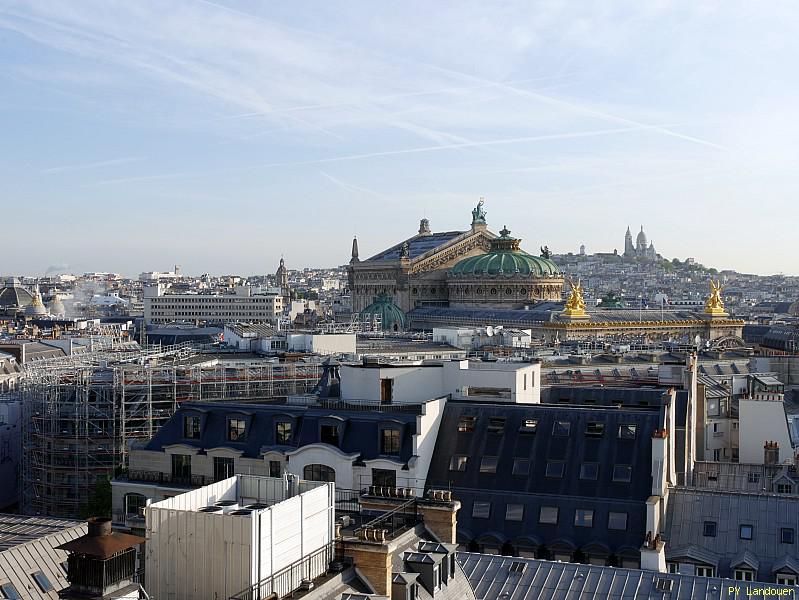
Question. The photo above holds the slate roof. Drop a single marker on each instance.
(29, 545)
(360, 429)
(533, 489)
(418, 245)
(492, 579)
(688, 510)
(549, 312)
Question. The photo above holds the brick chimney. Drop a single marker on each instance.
(771, 453)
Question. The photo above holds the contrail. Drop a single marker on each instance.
(95, 165)
(579, 108)
(498, 142)
(450, 90)
(349, 187)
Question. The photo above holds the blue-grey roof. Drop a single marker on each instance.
(548, 312)
(493, 579)
(361, 429)
(534, 489)
(690, 508)
(418, 245)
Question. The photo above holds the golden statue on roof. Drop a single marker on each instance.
(714, 305)
(575, 305)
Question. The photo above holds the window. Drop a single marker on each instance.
(672, 567)
(496, 425)
(703, 571)
(555, 469)
(283, 432)
(384, 477)
(783, 579)
(318, 473)
(627, 431)
(784, 488)
(223, 468)
(390, 441)
(488, 464)
(744, 575)
(787, 535)
(589, 471)
(458, 462)
(754, 478)
(529, 426)
(191, 427)
(583, 517)
(622, 473)
(521, 466)
(561, 428)
(548, 515)
(42, 581)
(134, 505)
(235, 430)
(514, 512)
(709, 529)
(617, 520)
(594, 429)
(328, 434)
(275, 468)
(466, 424)
(481, 510)
(745, 532)
(181, 468)
(9, 591)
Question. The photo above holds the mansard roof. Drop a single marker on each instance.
(359, 431)
(767, 514)
(531, 456)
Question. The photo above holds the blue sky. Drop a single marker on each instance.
(218, 135)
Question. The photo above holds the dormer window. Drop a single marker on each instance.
(627, 431)
(622, 473)
(191, 427)
(594, 429)
(283, 432)
(466, 424)
(328, 434)
(236, 429)
(390, 442)
(561, 429)
(496, 425)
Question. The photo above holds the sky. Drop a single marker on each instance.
(220, 135)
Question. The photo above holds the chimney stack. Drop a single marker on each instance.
(771, 453)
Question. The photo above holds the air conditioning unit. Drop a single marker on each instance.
(228, 506)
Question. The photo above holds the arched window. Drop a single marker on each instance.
(134, 505)
(319, 473)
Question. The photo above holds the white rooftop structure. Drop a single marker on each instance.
(237, 535)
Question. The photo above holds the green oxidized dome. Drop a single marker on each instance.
(505, 258)
(391, 316)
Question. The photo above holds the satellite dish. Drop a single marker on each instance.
(489, 331)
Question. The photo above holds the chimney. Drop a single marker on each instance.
(653, 553)
(102, 563)
(771, 453)
(439, 513)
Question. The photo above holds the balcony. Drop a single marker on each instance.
(167, 479)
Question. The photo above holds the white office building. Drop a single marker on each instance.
(242, 305)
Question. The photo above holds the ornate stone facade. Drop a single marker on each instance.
(420, 272)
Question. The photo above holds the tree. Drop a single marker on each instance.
(99, 503)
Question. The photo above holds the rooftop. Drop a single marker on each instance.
(511, 578)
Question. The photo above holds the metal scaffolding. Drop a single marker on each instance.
(81, 413)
